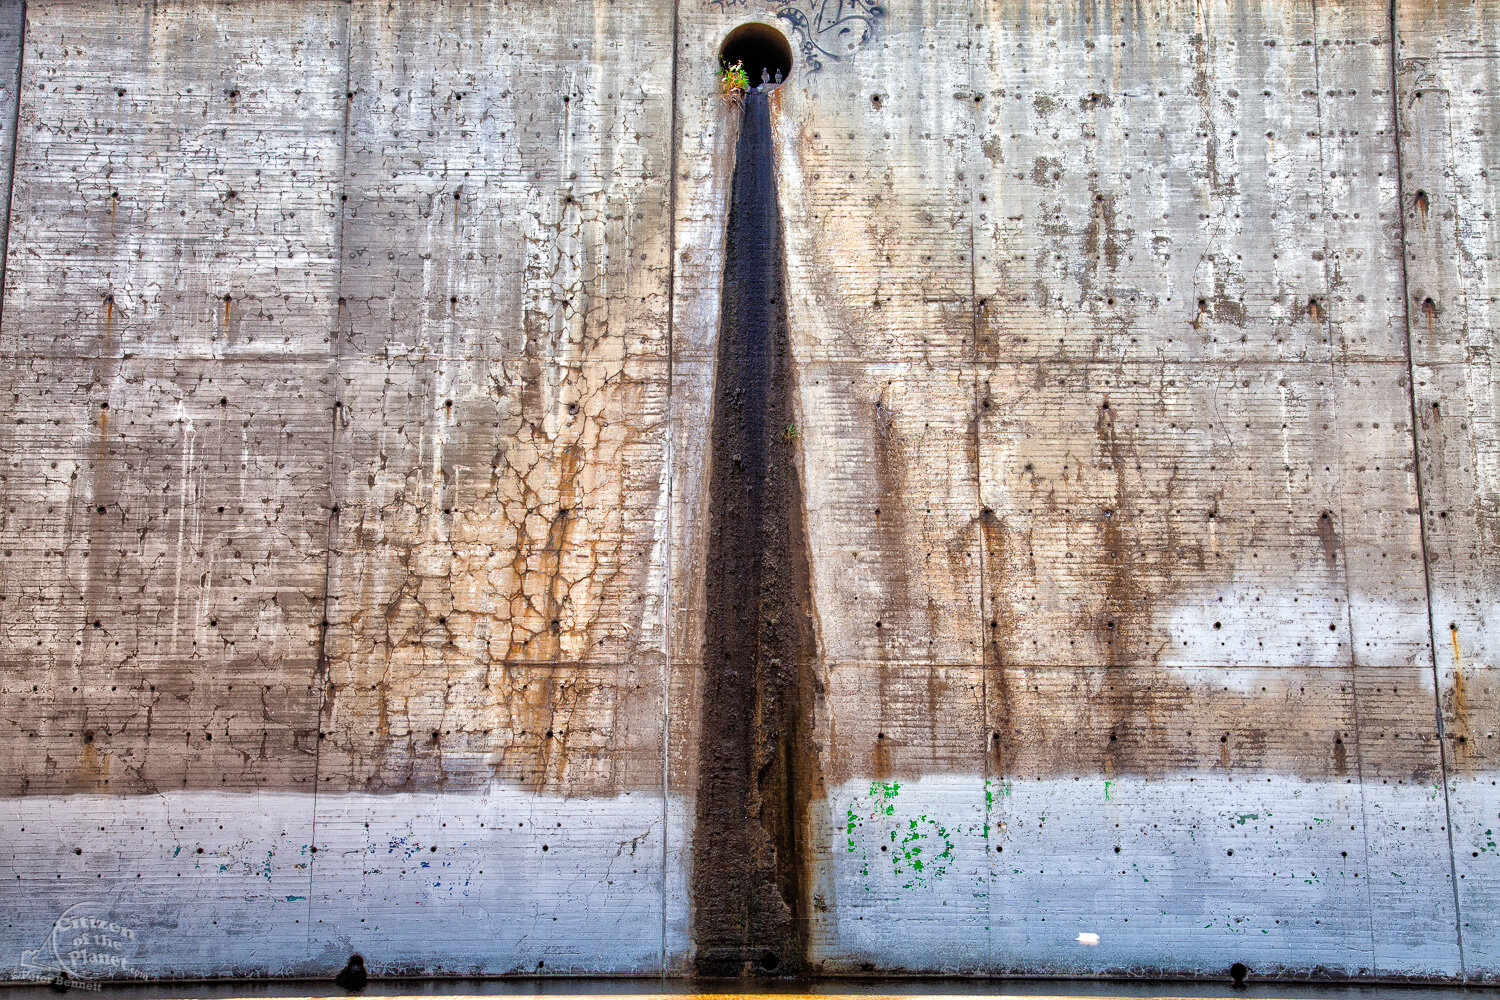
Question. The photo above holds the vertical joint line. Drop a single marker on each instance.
(1411, 375)
(320, 669)
(974, 329)
(10, 170)
(670, 472)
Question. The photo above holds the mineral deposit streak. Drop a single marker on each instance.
(748, 887)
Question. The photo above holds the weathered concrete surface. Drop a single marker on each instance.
(372, 452)
(1100, 316)
(166, 529)
(359, 363)
(502, 370)
(1447, 63)
(495, 603)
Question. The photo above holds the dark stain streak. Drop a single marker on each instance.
(890, 488)
(1122, 625)
(1000, 633)
(1329, 539)
(757, 769)
(1101, 242)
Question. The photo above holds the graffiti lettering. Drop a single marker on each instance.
(826, 29)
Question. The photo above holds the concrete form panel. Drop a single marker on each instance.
(495, 655)
(179, 193)
(1446, 67)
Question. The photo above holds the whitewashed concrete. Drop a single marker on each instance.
(1175, 876)
(216, 884)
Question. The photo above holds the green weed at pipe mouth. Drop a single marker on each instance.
(734, 81)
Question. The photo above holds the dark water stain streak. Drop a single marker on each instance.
(757, 769)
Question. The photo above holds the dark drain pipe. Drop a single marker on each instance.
(756, 770)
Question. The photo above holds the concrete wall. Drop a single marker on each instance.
(358, 362)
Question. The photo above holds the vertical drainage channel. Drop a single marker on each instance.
(755, 766)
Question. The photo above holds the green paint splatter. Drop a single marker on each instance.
(912, 846)
(907, 858)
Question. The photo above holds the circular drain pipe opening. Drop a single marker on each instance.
(761, 49)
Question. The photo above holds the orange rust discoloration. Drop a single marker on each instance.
(1458, 703)
(92, 771)
(1472, 718)
(924, 719)
(495, 600)
(564, 729)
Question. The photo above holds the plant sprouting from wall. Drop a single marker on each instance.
(734, 82)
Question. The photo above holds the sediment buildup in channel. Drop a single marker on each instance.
(756, 770)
